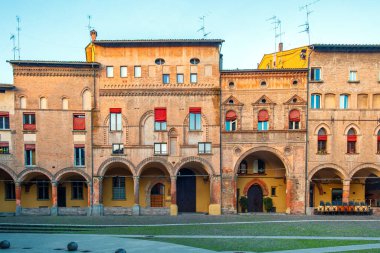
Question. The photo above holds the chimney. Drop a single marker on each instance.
(280, 47)
(93, 34)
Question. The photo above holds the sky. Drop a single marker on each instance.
(57, 30)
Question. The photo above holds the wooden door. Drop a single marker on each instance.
(255, 199)
(186, 191)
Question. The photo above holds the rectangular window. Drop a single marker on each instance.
(204, 147)
(193, 78)
(30, 155)
(118, 188)
(115, 119)
(160, 119)
(166, 78)
(180, 78)
(109, 71)
(43, 190)
(117, 148)
(4, 120)
(79, 122)
(10, 191)
(315, 101)
(293, 125)
(273, 191)
(343, 102)
(79, 155)
(315, 74)
(322, 147)
(123, 71)
(195, 121)
(4, 147)
(258, 167)
(353, 76)
(77, 190)
(262, 126)
(29, 121)
(160, 148)
(137, 71)
(336, 195)
(351, 147)
(230, 125)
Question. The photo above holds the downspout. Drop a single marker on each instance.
(220, 128)
(92, 136)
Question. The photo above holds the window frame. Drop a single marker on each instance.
(77, 190)
(79, 156)
(207, 148)
(45, 191)
(110, 71)
(294, 125)
(4, 122)
(120, 148)
(30, 157)
(195, 121)
(121, 71)
(166, 78)
(119, 184)
(9, 190)
(137, 67)
(232, 125)
(262, 125)
(345, 103)
(4, 148)
(191, 78)
(314, 102)
(117, 125)
(79, 116)
(183, 78)
(29, 121)
(160, 151)
(353, 73)
(312, 76)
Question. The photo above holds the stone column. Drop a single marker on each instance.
(136, 194)
(97, 196)
(346, 191)
(90, 196)
(54, 198)
(215, 188)
(18, 198)
(173, 195)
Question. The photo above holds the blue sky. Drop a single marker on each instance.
(56, 30)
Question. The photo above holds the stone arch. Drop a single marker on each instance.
(173, 132)
(57, 176)
(364, 166)
(274, 151)
(149, 187)
(160, 160)
(21, 177)
(343, 173)
(143, 118)
(258, 182)
(9, 171)
(205, 124)
(354, 126)
(104, 166)
(208, 167)
(325, 126)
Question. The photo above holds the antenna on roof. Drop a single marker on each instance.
(89, 27)
(18, 37)
(14, 49)
(308, 12)
(276, 22)
(203, 28)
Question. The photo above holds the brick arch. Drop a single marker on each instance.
(106, 128)
(258, 182)
(322, 125)
(9, 171)
(208, 167)
(342, 172)
(149, 187)
(205, 124)
(21, 177)
(143, 118)
(354, 126)
(364, 166)
(274, 151)
(105, 165)
(160, 160)
(57, 176)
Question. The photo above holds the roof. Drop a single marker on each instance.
(70, 64)
(262, 70)
(159, 42)
(359, 48)
(4, 86)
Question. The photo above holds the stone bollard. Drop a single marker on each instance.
(120, 251)
(72, 246)
(5, 244)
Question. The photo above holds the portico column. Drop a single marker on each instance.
(173, 195)
(54, 198)
(215, 188)
(289, 188)
(18, 198)
(136, 193)
(97, 196)
(346, 191)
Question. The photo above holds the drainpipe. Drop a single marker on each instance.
(92, 138)
(220, 128)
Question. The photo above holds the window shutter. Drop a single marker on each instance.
(231, 116)
(4, 114)
(263, 115)
(322, 137)
(115, 110)
(351, 138)
(79, 122)
(160, 114)
(378, 137)
(197, 110)
(30, 146)
(294, 116)
(4, 144)
(78, 145)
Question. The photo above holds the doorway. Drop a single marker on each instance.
(255, 199)
(186, 195)
(61, 196)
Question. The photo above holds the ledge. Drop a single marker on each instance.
(320, 81)
(356, 81)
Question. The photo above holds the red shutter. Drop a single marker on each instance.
(30, 146)
(378, 137)
(4, 144)
(322, 137)
(79, 122)
(160, 114)
(115, 110)
(4, 114)
(231, 116)
(78, 145)
(263, 115)
(351, 138)
(197, 110)
(294, 116)
(29, 126)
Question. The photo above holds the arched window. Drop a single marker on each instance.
(294, 119)
(23, 102)
(378, 142)
(322, 141)
(43, 103)
(351, 141)
(86, 100)
(65, 104)
(157, 195)
(243, 167)
(231, 121)
(263, 118)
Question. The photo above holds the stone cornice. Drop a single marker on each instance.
(57, 72)
(159, 92)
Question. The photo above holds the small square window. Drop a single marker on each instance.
(353, 76)
(109, 70)
(117, 149)
(204, 147)
(315, 74)
(4, 147)
(159, 126)
(4, 120)
(137, 71)
(193, 78)
(273, 191)
(180, 78)
(123, 71)
(160, 148)
(166, 78)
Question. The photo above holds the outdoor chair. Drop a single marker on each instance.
(321, 208)
(351, 207)
(328, 208)
(345, 208)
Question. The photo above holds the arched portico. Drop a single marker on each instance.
(7, 190)
(365, 184)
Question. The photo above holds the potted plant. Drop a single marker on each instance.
(243, 201)
(268, 204)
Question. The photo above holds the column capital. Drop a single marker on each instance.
(54, 183)
(17, 184)
(136, 177)
(173, 177)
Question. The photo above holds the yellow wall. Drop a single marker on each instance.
(358, 189)
(70, 202)
(202, 195)
(29, 199)
(107, 193)
(6, 205)
(285, 59)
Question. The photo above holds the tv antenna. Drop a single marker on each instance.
(18, 36)
(203, 28)
(306, 7)
(89, 27)
(14, 49)
(276, 22)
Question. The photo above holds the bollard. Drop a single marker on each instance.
(5, 244)
(72, 246)
(120, 251)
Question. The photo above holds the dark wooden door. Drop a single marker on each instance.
(255, 199)
(61, 196)
(186, 191)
